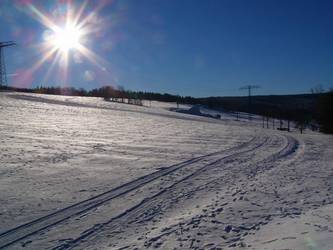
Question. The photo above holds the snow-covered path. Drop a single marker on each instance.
(223, 184)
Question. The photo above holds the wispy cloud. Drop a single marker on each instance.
(12, 75)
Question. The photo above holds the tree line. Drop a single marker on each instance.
(302, 109)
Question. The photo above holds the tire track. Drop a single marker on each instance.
(292, 145)
(31, 228)
(146, 203)
(155, 203)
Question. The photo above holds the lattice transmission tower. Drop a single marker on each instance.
(3, 74)
(249, 88)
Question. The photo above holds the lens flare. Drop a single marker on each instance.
(65, 35)
(67, 38)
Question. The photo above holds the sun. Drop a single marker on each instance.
(66, 38)
(69, 31)
(63, 39)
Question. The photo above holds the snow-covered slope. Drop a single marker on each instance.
(233, 117)
(82, 173)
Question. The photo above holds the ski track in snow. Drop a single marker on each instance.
(36, 226)
(205, 201)
(150, 203)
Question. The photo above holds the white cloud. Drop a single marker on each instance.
(77, 58)
(89, 75)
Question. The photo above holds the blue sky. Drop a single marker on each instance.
(187, 47)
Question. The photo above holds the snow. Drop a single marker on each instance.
(311, 230)
(230, 116)
(79, 172)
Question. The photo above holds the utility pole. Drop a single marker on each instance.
(249, 88)
(263, 121)
(3, 75)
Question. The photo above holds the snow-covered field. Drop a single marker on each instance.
(82, 173)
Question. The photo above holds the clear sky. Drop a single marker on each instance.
(187, 47)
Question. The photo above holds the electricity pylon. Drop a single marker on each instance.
(3, 75)
(249, 88)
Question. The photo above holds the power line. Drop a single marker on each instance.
(249, 88)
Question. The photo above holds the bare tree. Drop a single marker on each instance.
(318, 89)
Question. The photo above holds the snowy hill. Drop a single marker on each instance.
(82, 173)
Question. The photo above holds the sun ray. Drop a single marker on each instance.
(99, 6)
(65, 34)
(64, 68)
(46, 56)
(94, 58)
(80, 12)
(42, 18)
(51, 67)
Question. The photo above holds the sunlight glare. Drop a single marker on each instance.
(66, 38)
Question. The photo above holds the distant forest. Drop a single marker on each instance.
(314, 109)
